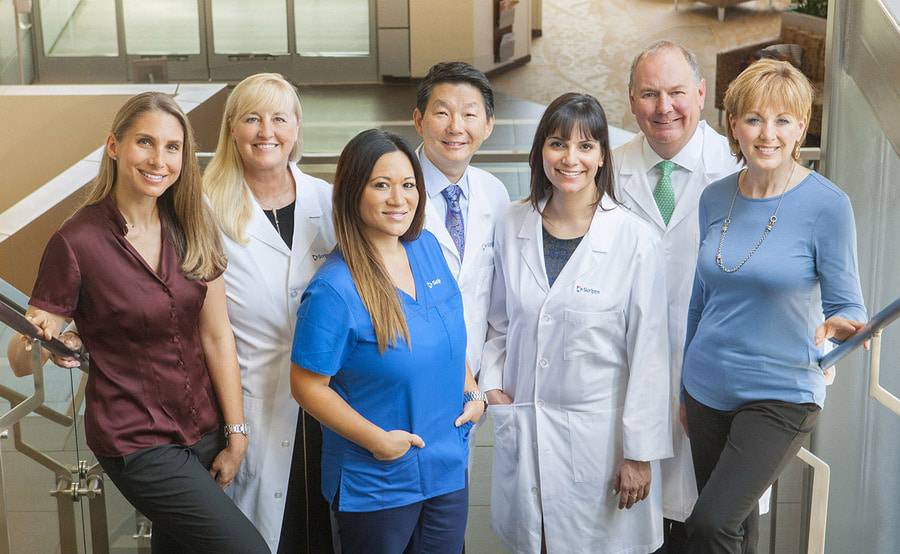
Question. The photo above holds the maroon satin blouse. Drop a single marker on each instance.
(148, 383)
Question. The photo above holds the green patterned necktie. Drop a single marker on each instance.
(663, 193)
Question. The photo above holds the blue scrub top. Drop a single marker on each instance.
(419, 390)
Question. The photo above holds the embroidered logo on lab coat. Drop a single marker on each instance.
(317, 257)
(585, 290)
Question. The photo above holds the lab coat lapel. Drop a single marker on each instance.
(637, 187)
(260, 228)
(601, 234)
(308, 215)
(531, 245)
(478, 227)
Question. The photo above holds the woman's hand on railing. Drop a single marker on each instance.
(72, 340)
(839, 328)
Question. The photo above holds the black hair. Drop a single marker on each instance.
(571, 112)
(455, 72)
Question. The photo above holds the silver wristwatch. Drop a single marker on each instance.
(239, 428)
(475, 395)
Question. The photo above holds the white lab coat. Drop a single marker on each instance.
(263, 283)
(488, 200)
(680, 242)
(586, 362)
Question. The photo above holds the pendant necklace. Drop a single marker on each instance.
(275, 214)
(769, 226)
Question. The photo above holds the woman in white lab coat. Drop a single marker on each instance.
(577, 370)
(277, 231)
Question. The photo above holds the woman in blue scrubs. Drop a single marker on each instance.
(379, 359)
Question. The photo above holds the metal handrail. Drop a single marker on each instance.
(818, 500)
(872, 331)
(13, 315)
(878, 322)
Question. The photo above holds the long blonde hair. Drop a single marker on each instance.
(181, 208)
(375, 288)
(223, 179)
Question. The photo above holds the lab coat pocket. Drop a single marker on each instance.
(594, 444)
(599, 334)
(506, 451)
(254, 413)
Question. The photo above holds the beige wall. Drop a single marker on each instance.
(442, 30)
(52, 134)
(439, 30)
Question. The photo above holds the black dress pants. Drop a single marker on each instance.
(306, 527)
(171, 485)
(737, 455)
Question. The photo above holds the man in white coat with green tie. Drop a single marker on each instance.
(454, 115)
(660, 174)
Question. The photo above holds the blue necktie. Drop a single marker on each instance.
(454, 219)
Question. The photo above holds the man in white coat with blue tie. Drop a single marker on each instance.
(660, 174)
(454, 115)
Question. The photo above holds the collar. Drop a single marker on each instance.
(687, 158)
(436, 181)
(112, 213)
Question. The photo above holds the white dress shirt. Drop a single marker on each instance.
(686, 162)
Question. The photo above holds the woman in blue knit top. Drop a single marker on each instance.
(777, 257)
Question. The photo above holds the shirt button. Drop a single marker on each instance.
(285, 444)
(534, 490)
(294, 293)
(540, 403)
(278, 494)
(543, 362)
(547, 319)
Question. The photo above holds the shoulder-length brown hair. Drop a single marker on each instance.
(182, 210)
(571, 112)
(377, 291)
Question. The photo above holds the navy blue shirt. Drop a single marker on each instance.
(418, 389)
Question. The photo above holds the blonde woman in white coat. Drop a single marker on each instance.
(278, 231)
(577, 369)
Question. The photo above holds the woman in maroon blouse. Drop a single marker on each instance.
(138, 267)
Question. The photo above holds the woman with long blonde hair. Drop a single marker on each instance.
(138, 267)
(379, 358)
(277, 230)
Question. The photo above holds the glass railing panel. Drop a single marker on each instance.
(332, 28)
(39, 454)
(241, 27)
(79, 27)
(161, 27)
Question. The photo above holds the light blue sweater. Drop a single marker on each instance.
(750, 334)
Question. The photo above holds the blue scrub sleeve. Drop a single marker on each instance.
(325, 330)
(836, 263)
